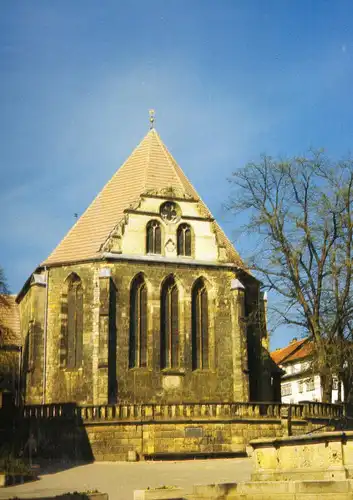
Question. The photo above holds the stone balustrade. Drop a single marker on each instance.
(117, 432)
(185, 411)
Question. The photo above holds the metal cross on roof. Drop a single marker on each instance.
(152, 118)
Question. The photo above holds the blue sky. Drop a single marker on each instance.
(229, 80)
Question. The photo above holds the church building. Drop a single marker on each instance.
(145, 300)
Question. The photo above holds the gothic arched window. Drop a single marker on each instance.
(184, 240)
(72, 323)
(169, 324)
(200, 338)
(153, 237)
(138, 323)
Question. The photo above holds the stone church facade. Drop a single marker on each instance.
(145, 300)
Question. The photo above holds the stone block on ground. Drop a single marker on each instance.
(167, 493)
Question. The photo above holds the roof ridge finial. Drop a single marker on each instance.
(152, 118)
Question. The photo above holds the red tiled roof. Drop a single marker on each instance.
(303, 352)
(299, 349)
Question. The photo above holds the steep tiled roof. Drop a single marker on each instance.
(295, 350)
(10, 332)
(303, 352)
(149, 168)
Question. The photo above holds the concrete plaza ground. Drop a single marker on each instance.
(120, 479)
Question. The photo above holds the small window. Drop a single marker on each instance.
(300, 385)
(169, 324)
(199, 323)
(310, 386)
(286, 389)
(335, 384)
(138, 323)
(153, 237)
(184, 240)
(72, 323)
(31, 347)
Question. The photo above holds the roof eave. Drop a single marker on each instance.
(28, 283)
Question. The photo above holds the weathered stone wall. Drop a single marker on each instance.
(66, 384)
(227, 378)
(114, 432)
(32, 311)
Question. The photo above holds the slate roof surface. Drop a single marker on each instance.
(297, 350)
(149, 168)
(10, 331)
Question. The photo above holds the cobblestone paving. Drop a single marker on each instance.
(120, 479)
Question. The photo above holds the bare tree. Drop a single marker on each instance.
(300, 213)
(3, 285)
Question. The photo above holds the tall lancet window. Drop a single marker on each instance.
(169, 324)
(72, 323)
(200, 337)
(153, 237)
(138, 323)
(184, 240)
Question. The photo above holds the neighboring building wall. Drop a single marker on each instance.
(299, 384)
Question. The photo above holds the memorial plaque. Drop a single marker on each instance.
(193, 432)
